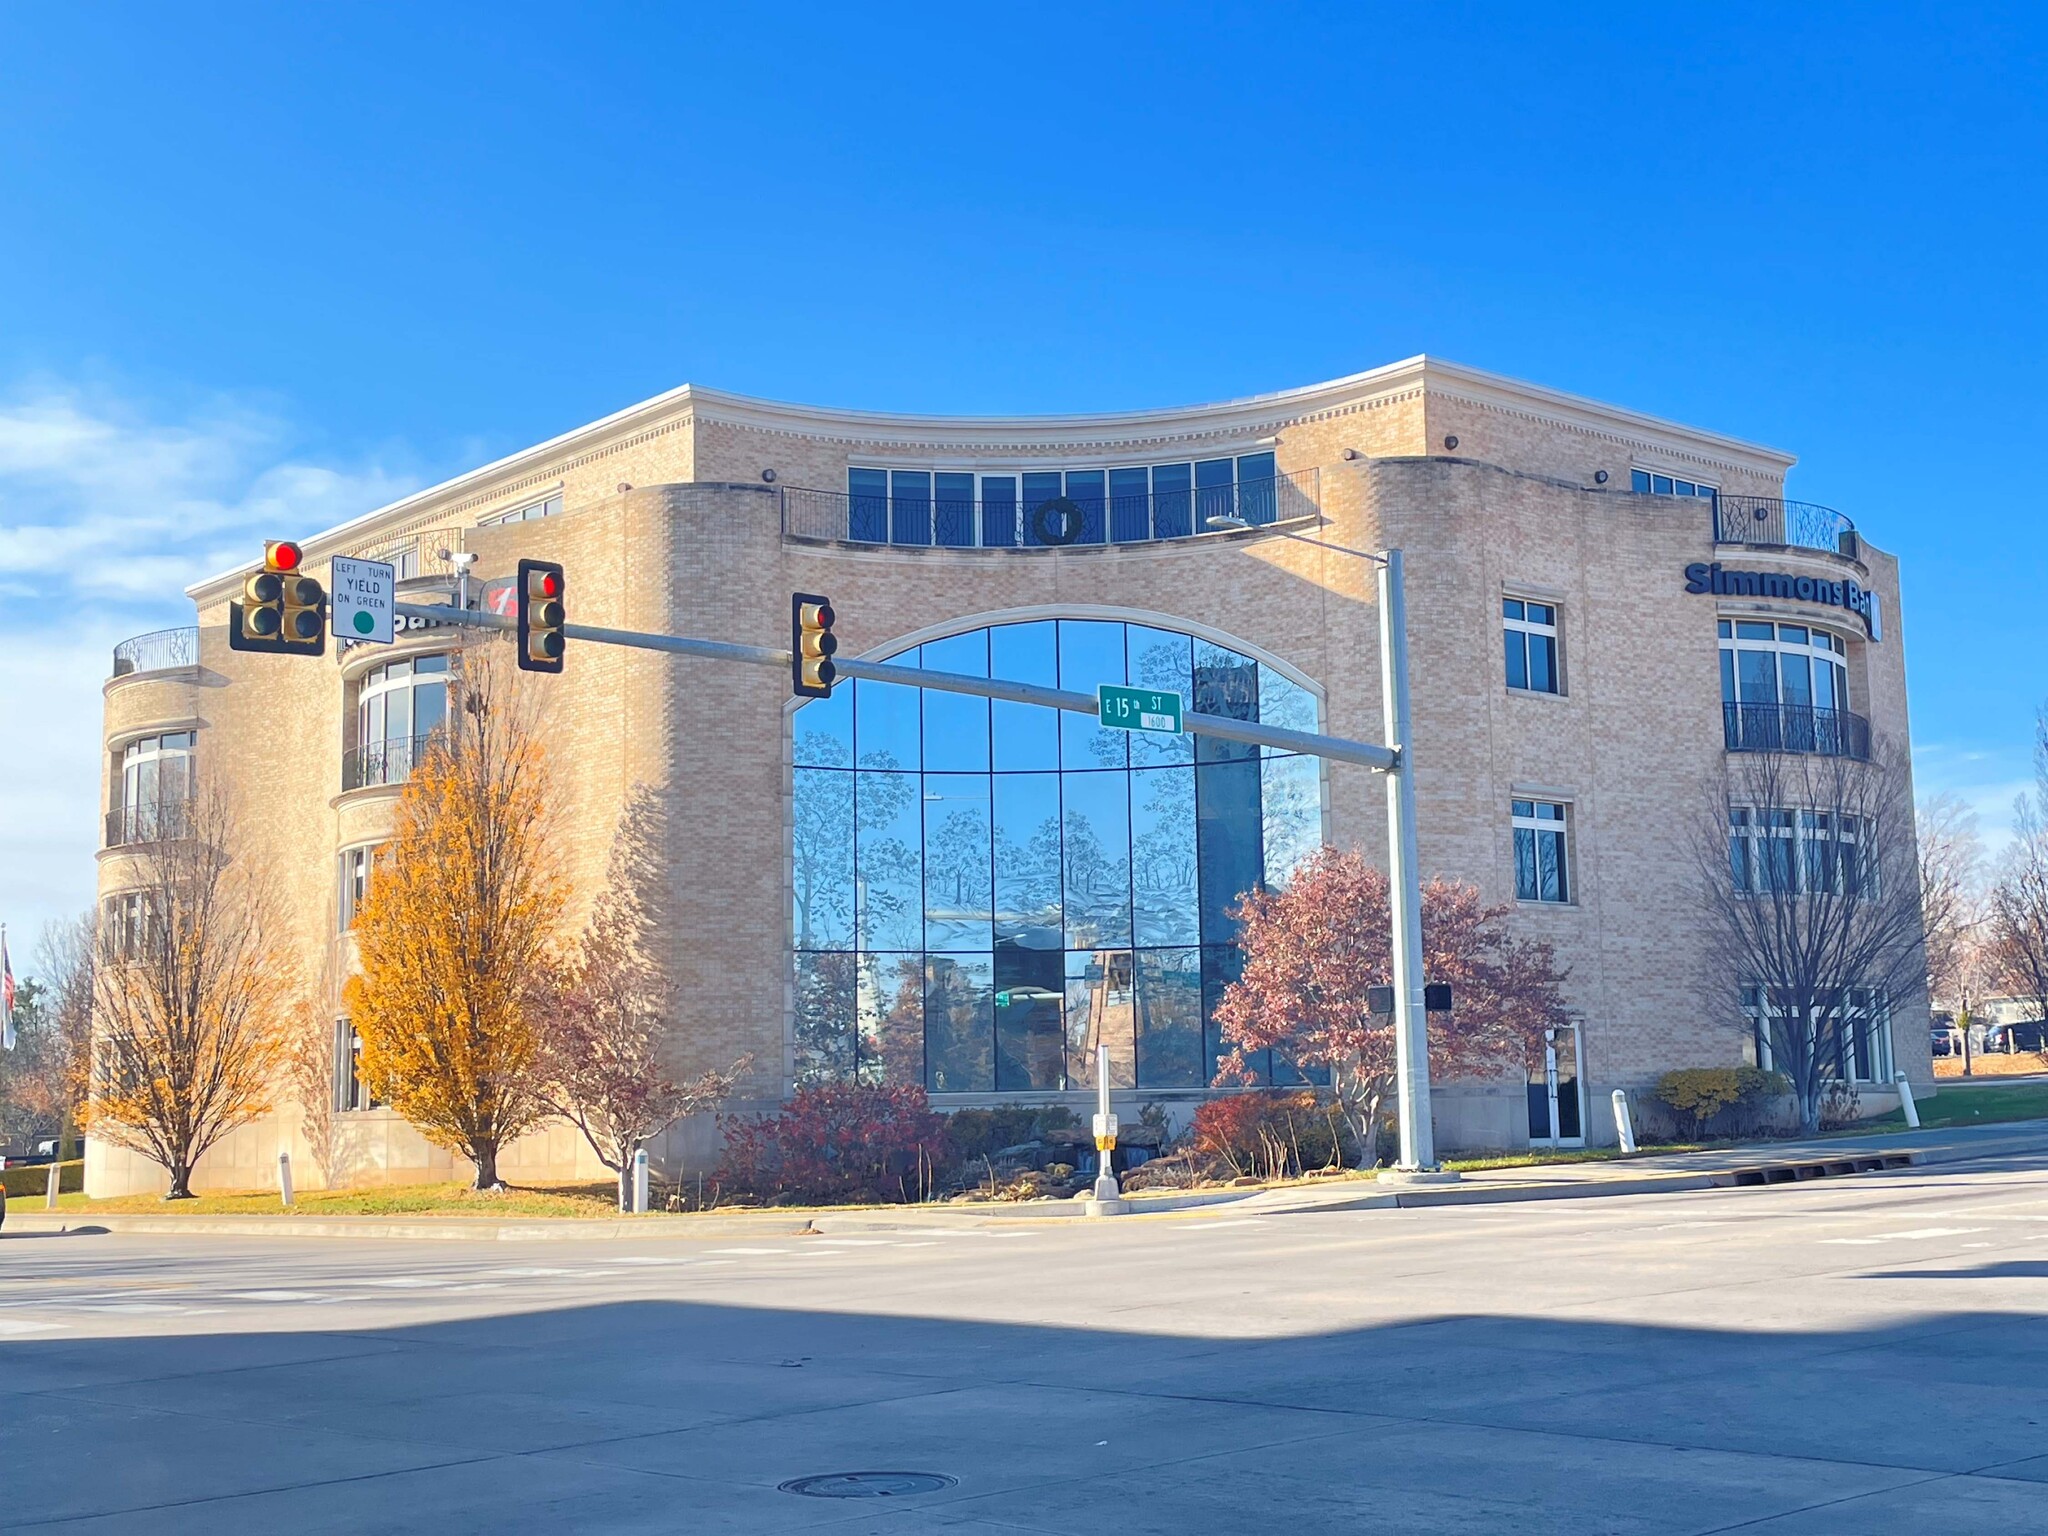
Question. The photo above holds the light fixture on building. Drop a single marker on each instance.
(768, 475)
(624, 487)
(1350, 453)
(1451, 442)
(1599, 477)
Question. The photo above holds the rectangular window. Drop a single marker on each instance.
(349, 1092)
(867, 506)
(1776, 851)
(1040, 486)
(1130, 505)
(1215, 491)
(953, 510)
(1648, 483)
(1530, 631)
(1086, 490)
(1173, 501)
(523, 514)
(999, 510)
(355, 882)
(1541, 872)
(910, 506)
(1256, 477)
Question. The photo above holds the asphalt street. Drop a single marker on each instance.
(1858, 1355)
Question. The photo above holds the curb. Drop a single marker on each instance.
(552, 1229)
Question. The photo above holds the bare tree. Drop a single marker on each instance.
(2016, 916)
(46, 1078)
(1810, 877)
(188, 991)
(604, 1053)
(1951, 892)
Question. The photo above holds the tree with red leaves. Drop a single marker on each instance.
(1313, 950)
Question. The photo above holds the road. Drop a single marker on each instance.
(1859, 1355)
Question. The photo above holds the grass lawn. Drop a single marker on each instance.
(1970, 1102)
(1537, 1156)
(592, 1200)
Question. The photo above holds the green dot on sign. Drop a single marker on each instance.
(364, 623)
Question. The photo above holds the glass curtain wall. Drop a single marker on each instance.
(986, 892)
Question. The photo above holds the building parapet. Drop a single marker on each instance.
(1768, 521)
(161, 650)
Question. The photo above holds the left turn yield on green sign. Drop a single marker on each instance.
(361, 602)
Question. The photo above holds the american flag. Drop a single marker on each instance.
(6, 994)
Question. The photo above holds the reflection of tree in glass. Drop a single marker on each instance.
(1031, 878)
(1164, 666)
(1098, 884)
(1163, 864)
(888, 873)
(892, 1020)
(1291, 802)
(824, 1017)
(960, 1042)
(957, 864)
(822, 848)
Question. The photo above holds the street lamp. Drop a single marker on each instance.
(1404, 873)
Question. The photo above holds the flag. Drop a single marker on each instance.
(6, 994)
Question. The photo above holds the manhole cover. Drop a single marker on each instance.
(868, 1485)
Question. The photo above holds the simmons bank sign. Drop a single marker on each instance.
(1852, 595)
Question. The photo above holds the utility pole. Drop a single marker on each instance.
(1404, 882)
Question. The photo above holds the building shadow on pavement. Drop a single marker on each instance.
(678, 1417)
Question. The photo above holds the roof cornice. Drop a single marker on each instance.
(1247, 417)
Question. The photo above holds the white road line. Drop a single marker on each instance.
(314, 1296)
(406, 1282)
(10, 1326)
(771, 1252)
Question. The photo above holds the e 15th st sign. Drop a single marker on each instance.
(1138, 709)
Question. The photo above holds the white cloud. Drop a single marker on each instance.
(1986, 781)
(107, 513)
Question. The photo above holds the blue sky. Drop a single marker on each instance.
(264, 267)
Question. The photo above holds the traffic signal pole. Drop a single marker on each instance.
(1309, 743)
(1417, 1157)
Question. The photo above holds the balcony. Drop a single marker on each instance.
(128, 825)
(424, 552)
(161, 650)
(1784, 525)
(1795, 728)
(1081, 522)
(382, 762)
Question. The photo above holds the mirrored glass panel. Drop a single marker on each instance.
(956, 861)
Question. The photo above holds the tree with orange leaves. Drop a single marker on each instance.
(455, 936)
(188, 991)
(1313, 950)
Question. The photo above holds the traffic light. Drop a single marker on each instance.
(282, 611)
(541, 616)
(811, 645)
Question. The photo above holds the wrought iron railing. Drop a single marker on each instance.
(158, 651)
(1787, 524)
(382, 762)
(1795, 728)
(423, 552)
(1072, 521)
(150, 822)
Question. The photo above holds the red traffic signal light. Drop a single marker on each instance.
(811, 645)
(280, 610)
(541, 616)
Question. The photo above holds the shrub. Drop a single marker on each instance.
(1269, 1135)
(34, 1178)
(836, 1142)
(1841, 1105)
(1700, 1096)
(972, 1134)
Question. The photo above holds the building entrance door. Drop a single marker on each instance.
(1556, 1115)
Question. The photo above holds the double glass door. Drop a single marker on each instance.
(1556, 1113)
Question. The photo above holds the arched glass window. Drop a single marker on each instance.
(984, 892)
(1784, 687)
(398, 706)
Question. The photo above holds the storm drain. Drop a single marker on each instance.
(1830, 1168)
(868, 1485)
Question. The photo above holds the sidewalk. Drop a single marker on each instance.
(1720, 1168)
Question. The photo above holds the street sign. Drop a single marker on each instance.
(364, 591)
(1137, 709)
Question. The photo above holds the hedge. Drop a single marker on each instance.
(35, 1179)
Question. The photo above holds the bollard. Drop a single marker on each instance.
(1623, 1126)
(284, 1176)
(640, 1182)
(50, 1189)
(1906, 1102)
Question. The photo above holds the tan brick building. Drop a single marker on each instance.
(912, 886)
